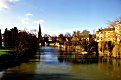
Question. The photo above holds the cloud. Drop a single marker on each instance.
(23, 20)
(39, 21)
(29, 14)
(26, 18)
(13, 0)
(5, 4)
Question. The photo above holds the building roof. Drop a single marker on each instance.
(105, 29)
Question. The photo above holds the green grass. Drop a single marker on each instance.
(2, 44)
(3, 52)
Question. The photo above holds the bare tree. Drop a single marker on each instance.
(67, 34)
(112, 24)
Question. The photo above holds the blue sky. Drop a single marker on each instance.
(58, 16)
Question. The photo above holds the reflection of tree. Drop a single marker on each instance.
(75, 58)
(24, 71)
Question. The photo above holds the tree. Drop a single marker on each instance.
(10, 37)
(61, 38)
(0, 39)
(67, 34)
(76, 38)
(116, 24)
(46, 36)
(26, 42)
(85, 32)
(113, 23)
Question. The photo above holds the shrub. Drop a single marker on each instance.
(26, 43)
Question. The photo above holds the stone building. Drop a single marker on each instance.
(109, 41)
(118, 32)
(106, 34)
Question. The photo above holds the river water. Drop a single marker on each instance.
(48, 67)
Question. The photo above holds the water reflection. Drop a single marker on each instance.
(53, 65)
(74, 57)
(1, 74)
(111, 68)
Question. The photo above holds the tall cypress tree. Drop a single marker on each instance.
(40, 33)
(0, 39)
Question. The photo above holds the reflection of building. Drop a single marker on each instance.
(107, 34)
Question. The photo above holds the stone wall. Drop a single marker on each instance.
(113, 50)
(117, 50)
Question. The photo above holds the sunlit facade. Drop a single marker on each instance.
(107, 34)
(118, 31)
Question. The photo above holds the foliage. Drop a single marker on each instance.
(46, 36)
(84, 44)
(10, 37)
(76, 38)
(85, 32)
(0, 39)
(61, 39)
(67, 34)
(26, 42)
(93, 47)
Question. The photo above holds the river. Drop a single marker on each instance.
(49, 67)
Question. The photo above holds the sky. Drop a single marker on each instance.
(58, 16)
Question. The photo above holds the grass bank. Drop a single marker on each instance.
(4, 50)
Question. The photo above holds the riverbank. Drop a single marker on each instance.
(10, 58)
(5, 50)
(102, 49)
